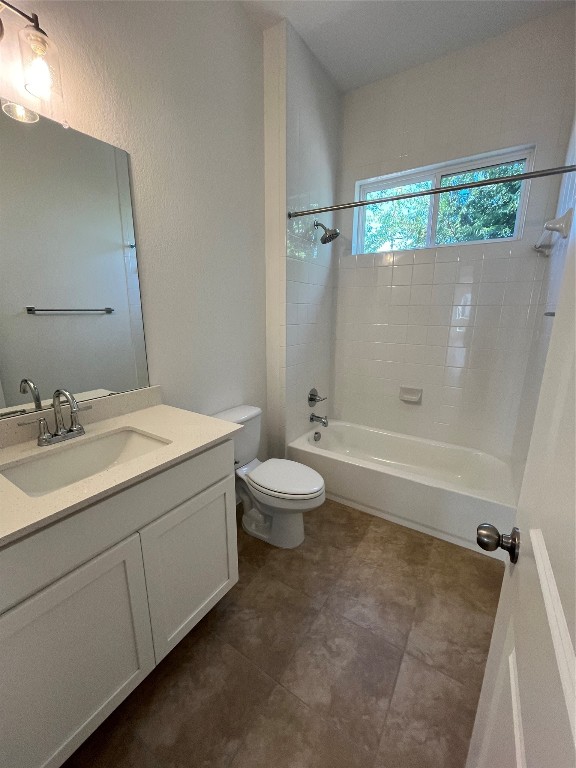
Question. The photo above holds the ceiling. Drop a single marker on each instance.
(361, 41)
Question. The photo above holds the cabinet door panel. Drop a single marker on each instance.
(190, 561)
(70, 654)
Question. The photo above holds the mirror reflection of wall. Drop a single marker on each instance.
(66, 242)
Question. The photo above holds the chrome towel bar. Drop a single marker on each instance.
(38, 310)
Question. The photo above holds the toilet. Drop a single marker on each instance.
(274, 493)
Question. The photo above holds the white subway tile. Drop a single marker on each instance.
(418, 315)
(452, 395)
(364, 260)
(424, 256)
(400, 294)
(420, 294)
(465, 294)
(517, 294)
(445, 272)
(487, 316)
(440, 315)
(456, 357)
(442, 295)
(491, 294)
(462, 314)
(460, 336)
(416, 334)
(384, 275)
(398, 315)
(522, 269)
(401, 275)
(437, 335)
(423, 274)
(403, 258)
(447, 253)
(495, 270)
(469, 273)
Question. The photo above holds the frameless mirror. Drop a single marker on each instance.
(70, 311)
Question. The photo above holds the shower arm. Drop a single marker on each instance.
(437, 191)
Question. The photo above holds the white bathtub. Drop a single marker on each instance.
(438, 488)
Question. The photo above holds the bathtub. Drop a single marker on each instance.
(444, 490)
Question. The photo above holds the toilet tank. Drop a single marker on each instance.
(247, 441)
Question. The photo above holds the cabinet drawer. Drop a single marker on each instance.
(70, 654)
(30, 564)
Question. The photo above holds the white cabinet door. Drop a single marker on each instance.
(70, 654)
(191, 561)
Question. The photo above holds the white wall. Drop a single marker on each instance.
(457, 321)
(313, 123)
(179, 86)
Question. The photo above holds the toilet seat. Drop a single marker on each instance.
(285, 479)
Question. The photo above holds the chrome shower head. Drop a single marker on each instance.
(329, 234)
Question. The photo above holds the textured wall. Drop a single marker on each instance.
(457, 321)
(179, 86)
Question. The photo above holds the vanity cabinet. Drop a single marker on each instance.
(70, 654)
(187, 562)
(95, 600)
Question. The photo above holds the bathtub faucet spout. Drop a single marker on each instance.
(320, 419)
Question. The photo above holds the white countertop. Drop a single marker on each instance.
(189, 434)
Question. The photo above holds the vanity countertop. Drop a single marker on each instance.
(186, 434)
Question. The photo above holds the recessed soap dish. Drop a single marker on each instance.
(411, 395)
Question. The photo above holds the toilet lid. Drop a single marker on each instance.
(286, 478)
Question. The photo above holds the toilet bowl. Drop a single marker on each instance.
(274, 493)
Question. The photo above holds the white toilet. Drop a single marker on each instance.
(274, 493)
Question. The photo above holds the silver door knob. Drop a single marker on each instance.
(488, 537)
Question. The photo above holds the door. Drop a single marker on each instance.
(70, 654)
(527, 710)
(190, 561)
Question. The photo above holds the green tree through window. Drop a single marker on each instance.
(484, 213)
(469, 215)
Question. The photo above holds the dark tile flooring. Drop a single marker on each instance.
(363, 648)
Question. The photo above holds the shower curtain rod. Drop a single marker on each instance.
(437, 190)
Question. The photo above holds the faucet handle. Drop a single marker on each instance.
(314, 397)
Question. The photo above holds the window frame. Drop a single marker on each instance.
(434, 174)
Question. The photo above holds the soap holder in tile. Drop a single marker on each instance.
(411, 395)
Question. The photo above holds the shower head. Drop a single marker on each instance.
(329, 234)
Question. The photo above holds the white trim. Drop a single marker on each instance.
(434, 173)
(516, 712)
(563, 648)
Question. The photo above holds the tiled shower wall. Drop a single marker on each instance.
(313, 139)
(456, 322)
(544, 324)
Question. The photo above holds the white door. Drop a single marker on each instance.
(527, 711)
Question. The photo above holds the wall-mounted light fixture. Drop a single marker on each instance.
(40, 66)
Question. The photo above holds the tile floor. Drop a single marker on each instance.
(363, 648)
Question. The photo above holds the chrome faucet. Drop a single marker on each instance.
(320, 419)
(28, 384)
(45, 437)
(75, 428)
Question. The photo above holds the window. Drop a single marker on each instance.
(465, 216)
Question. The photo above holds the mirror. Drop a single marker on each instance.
(67, 246)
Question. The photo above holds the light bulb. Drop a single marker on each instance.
(18, 112)
(38, 79)
(39, 64)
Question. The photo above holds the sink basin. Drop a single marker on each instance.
(80, 458)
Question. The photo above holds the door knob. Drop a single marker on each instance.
(488, 537)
